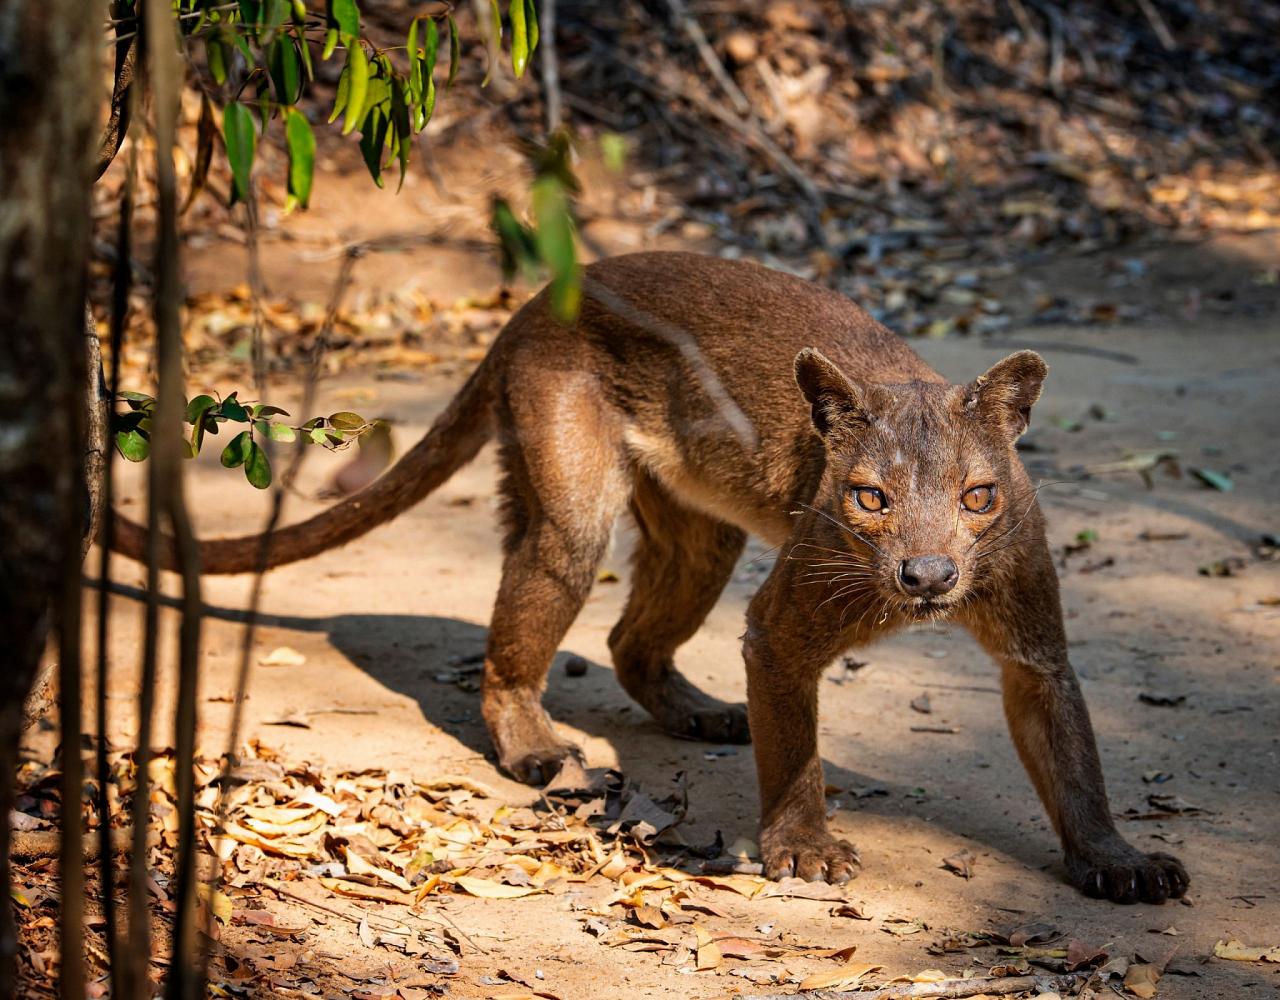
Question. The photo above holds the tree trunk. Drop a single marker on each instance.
(49, 59)
(42, 694)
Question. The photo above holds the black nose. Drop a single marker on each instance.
(927, 576)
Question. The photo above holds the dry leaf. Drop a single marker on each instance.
(709, 956)
(1236, 951)
(845, 977)
(961, 863)
(281, 845)
(1140, 980)
(798, 888)
(356, 890)
(903, 926)
(494, 890)
(357, 865)
(282, 656)
(217, 902)
(648, 916)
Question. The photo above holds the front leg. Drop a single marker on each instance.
(1020, 625)
(783, 669)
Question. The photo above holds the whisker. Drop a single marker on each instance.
(852, 588)
(824, 548)
(830, 578)
(843, 527)
(763, 555)
(1025, 514)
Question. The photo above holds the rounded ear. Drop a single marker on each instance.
(1008, 390)
(837, 404)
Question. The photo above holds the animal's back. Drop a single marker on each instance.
(696, 355)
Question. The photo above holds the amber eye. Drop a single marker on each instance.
(870, 499)
(979, 499)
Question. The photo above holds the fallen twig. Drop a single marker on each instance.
(663, 83)
(31, 845)
(946, 990)
(699, 38)
(1158, 25)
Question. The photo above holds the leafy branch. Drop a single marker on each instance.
(131, 430)
(262, 54)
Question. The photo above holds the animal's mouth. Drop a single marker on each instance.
(926, 608)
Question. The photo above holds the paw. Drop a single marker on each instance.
(685, 711)
(723, 723)
(1125, 875)
(537, 767)
(813, 855)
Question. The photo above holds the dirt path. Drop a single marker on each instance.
(380, 618)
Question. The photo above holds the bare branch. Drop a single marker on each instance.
(119, 113)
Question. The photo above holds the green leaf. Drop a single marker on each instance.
(267, 410)
(274, 13)
(131, 397)
(455, 53)
(215, 54)
(285, 70)
(515, 241)
(251, 12)
(344, 92)
(345, 420)
(531, 18)
(238, 449)
(317, 435)
(373, 137)
(402, 128)
(300, 26)
(357, 86)
(133, 445)
(241, 138)
(431, 47)
(130, 421)
(232, 409)
(613, 151)
(330, 43)
(519, 37)
(281, 432)
(494, 42)
(205, 131)
(554, 235)
(1217, 480)
(198, 407)
(302, 156)
(257, 467)
(431, 51)
(345, 16)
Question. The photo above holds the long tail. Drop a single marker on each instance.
(453, 441)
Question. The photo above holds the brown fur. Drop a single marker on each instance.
(675, 395)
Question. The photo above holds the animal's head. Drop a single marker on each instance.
(924, 483)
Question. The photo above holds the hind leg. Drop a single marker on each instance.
(682, 562)
(561, 498)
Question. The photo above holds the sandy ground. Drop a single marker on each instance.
(377, 619)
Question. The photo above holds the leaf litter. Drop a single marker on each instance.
(385, 852)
